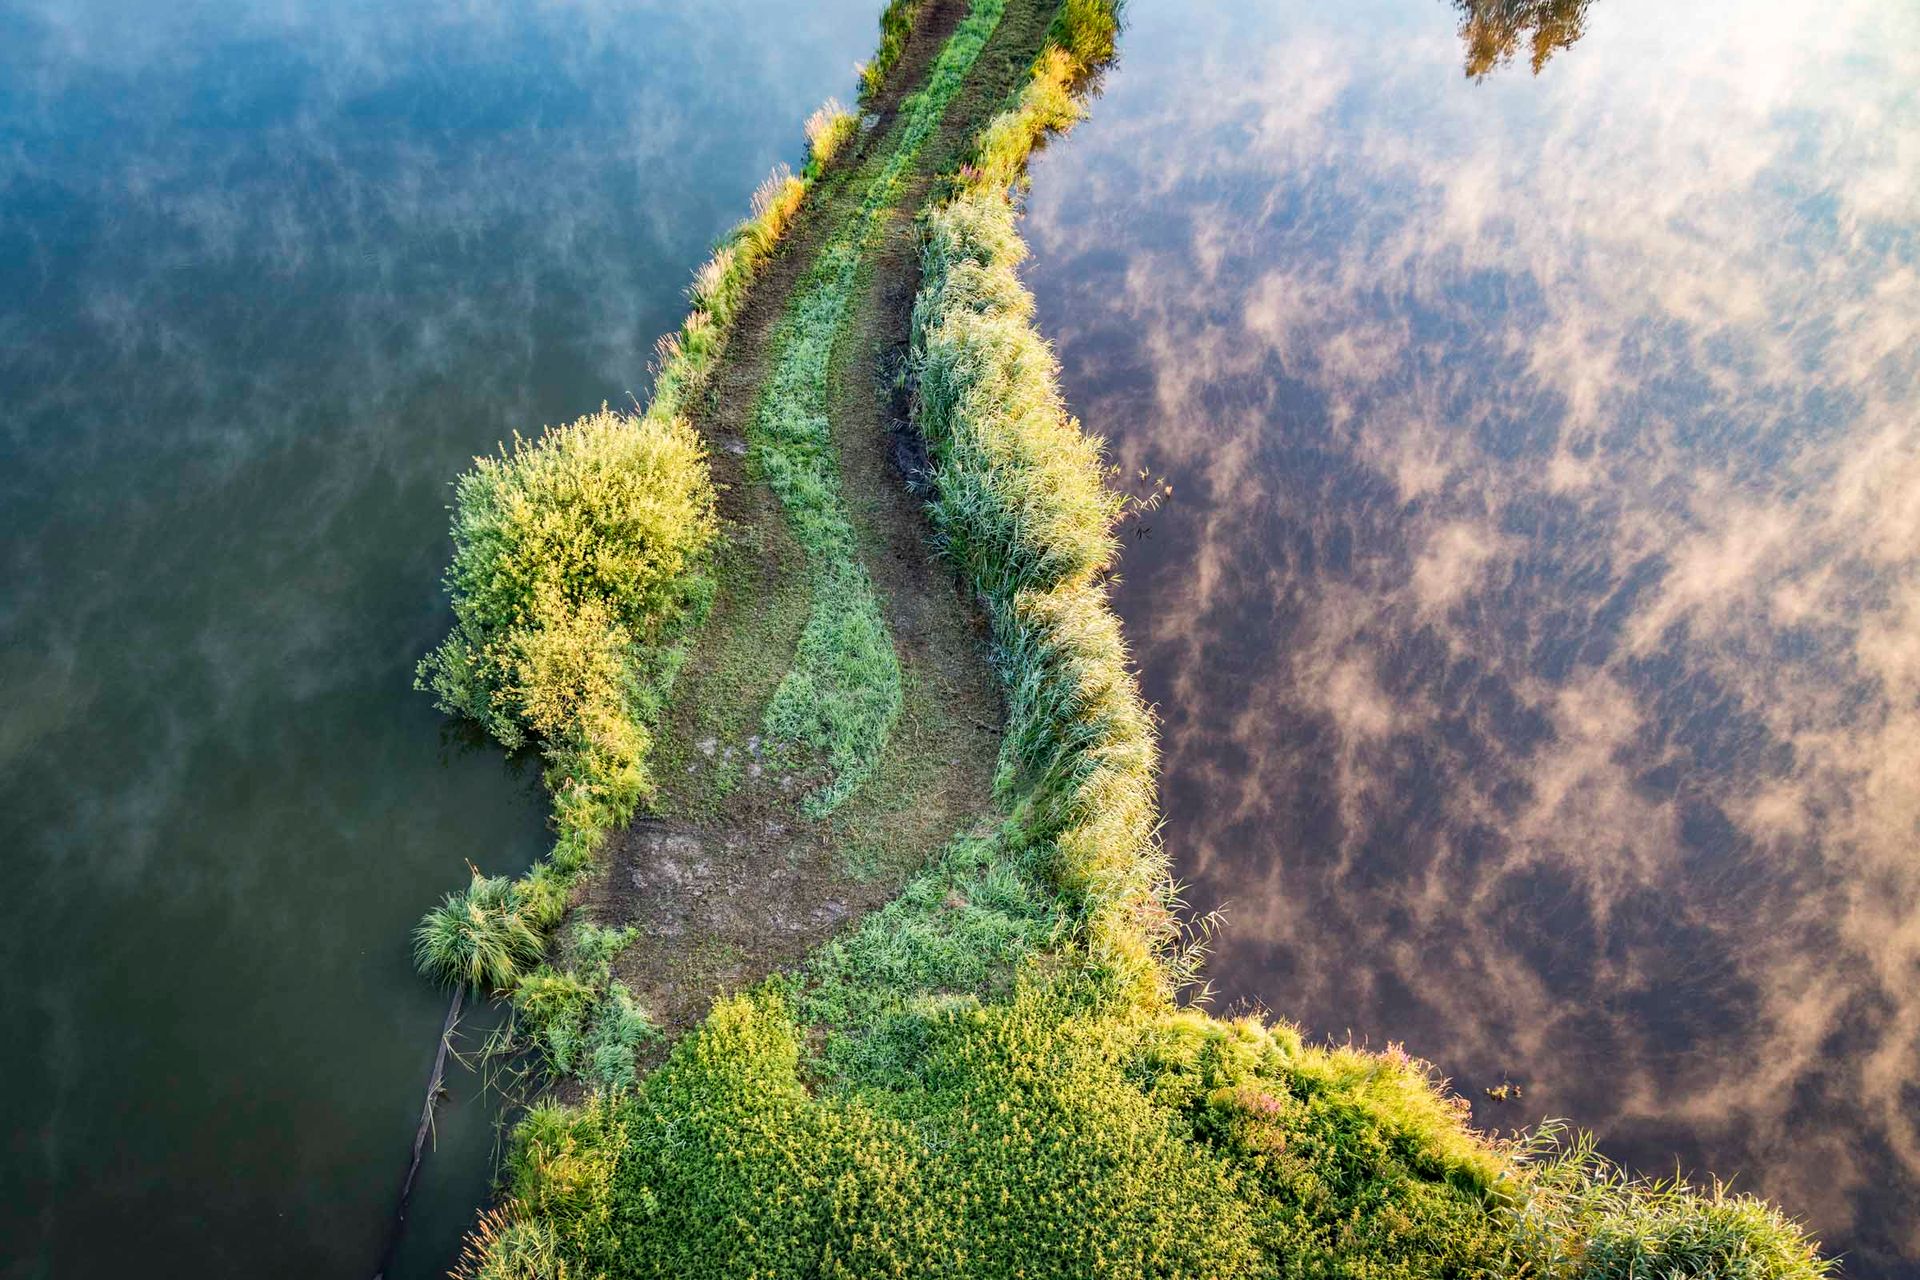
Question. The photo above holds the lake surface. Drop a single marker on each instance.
(269, 277)
(1536, 620)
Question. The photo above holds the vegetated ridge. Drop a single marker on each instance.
(856, 954)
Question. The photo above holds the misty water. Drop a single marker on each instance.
(269, 277)
(1536, 619)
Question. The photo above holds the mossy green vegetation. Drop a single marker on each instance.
(993, 1074)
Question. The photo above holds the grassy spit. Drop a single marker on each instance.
(990, 1076)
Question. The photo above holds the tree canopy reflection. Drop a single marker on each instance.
(1492, 30)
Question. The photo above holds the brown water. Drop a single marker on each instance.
(1536, 622)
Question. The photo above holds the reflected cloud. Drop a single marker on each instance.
(1536, 627)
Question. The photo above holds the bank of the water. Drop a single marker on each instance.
(1447, 681)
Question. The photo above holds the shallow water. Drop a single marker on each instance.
(268, 278)
(1536, 619)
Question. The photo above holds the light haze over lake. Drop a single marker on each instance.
(269, 276)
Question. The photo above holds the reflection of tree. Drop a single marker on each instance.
(1492, 30)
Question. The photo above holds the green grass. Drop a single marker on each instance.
(840, 698)
(578, 1017)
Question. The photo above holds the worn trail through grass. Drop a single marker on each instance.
(842, 695)
(836, 724)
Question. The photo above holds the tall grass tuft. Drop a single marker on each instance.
(1087, 31)
(1582, 1217)
(479, 937)
(829, 129)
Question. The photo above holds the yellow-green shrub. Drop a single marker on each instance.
(568, 552)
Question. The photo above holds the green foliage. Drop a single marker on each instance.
(480, 937)
(1357, 1163)
(954, 936)
(1047, 104)
(567, 553)
(1021, 505)
(580, 1020)
(1027, 1144)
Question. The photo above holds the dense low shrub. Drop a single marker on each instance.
(1585, 1218)
(1042, 1136)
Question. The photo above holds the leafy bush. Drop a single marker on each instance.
(481, 937)
(568, 552)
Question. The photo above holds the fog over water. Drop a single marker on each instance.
(1536, 622)
(269, 276)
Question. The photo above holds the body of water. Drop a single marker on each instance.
(1536, 620)
(269, 277)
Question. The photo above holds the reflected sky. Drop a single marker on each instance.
(1537, 620)
(269, 276)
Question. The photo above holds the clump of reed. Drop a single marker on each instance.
(479, 937)
(828, 130)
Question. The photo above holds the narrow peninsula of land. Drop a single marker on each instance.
(856, 954)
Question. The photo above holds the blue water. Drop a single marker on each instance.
(269, 276)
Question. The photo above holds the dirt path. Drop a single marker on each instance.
(727, 881)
